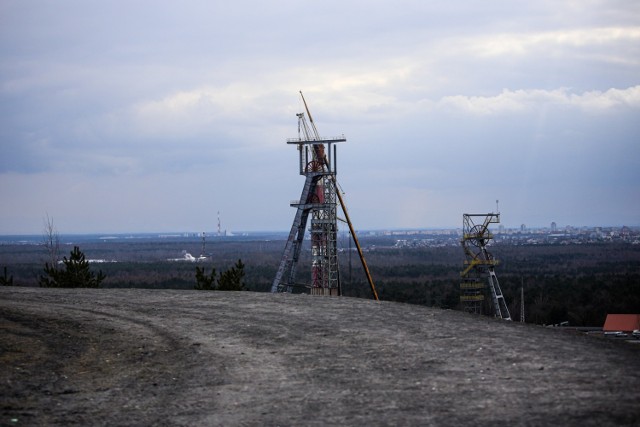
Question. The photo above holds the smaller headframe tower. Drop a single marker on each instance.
(319, 199)
(479, 266)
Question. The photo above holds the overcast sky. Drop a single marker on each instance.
(152, 116)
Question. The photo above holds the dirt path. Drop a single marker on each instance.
(143, 357)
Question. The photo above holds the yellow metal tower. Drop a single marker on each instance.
(479, 265)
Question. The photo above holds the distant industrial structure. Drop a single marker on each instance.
(522, 301)
(319, 199)
(221, 232)
(479, 266)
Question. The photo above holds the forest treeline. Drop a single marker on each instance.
(575, 283)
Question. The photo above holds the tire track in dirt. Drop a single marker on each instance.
(149, 361)
(125, 360)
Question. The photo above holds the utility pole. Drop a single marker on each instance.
(521, 300)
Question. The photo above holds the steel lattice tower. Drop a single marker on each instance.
(479, 265)
(320, 198)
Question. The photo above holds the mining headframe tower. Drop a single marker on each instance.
(479, 265)
(319, 199)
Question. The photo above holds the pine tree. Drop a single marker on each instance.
(6, 280)
(204, 282)
(75, 274)
(231, 280)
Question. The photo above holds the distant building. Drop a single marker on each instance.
(621, 323)
(554, 227)
(523, 227)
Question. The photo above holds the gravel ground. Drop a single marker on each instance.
(145, 357)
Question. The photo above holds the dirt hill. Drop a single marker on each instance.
(144, 357)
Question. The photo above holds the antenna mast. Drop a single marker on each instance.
(522, 300)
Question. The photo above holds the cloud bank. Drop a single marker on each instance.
(146, 116)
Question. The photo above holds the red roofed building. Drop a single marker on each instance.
(621, 323)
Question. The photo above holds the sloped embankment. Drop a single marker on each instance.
(134, 356)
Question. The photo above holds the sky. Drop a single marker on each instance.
(153, 116)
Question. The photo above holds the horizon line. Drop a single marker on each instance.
(237, 233)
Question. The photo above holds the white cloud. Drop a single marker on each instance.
(595, 101)
(350, 92)
(519, 101)
(567, 39)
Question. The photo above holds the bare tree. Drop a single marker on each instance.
(51, 241)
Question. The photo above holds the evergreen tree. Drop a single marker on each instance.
(6, 280)
(230, 280)
(75, 274)
(205, 282)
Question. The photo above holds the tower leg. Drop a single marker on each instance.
(292, 248)
(499, 303)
